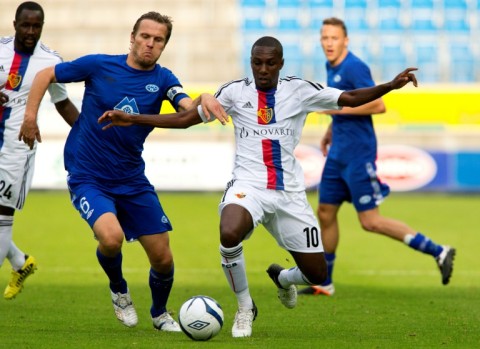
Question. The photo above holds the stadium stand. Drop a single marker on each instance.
(387, 34)
(219, 33)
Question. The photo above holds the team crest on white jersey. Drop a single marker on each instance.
(14, 80)
(240, 195)
(128, 105)
(265, 114)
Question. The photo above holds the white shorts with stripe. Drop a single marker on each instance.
(16, 174)
(287, 216)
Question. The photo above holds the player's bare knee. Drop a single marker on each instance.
(370, 226)
(229, 237)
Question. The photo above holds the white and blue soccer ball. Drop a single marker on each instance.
(201, 318)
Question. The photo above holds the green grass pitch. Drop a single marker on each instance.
(388, 296)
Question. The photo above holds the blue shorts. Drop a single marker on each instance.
(135, 205)
(356, 182)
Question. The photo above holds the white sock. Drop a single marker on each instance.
(292, 276)
(16, 256)
(6, 224)
(233, 265)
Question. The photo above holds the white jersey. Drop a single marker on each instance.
(17, 71)
(268, 127)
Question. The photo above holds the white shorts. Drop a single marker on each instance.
(288, 216)
(16, 174)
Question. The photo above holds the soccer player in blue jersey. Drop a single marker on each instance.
(350, 171)
(106, 171)
(21, 57)
(267, 187)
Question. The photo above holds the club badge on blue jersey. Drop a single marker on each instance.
(128, 105)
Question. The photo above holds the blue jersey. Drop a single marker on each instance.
(114, 154)
(353, 135)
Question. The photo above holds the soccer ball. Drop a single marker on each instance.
(201, 318)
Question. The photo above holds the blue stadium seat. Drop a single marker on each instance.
(294, 59)
(356, 16)
(318, 10)
(456, 16)
(392, 59)
(462, 62)
(289, 15)
(427, 55)
(318, 59)
(390, 16)
(253, 24)
(424, 15)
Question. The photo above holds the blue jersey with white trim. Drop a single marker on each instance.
(268, 126)
(114, 154)
(353, 136)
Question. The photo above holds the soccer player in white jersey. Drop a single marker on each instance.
(267, 186)
(21, 57)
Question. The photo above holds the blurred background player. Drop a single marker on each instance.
(349, 173)
(106, 171)
(21, 57)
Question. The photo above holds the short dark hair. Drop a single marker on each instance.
(157, 17)
(269, 41)
(29, 5)
(336, 22)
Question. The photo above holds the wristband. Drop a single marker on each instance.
(202, 114)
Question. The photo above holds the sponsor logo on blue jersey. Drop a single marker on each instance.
(152, 88)
(128, 105)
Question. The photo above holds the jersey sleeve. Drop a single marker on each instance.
(224, 96)
(77, 70)
(314, 97)
(58, 92)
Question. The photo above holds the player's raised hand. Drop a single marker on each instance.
(404, 78)
(212, 108)
(115, 118)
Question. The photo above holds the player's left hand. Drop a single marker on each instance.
(404, 78)
(29, 132)
(3, 97)
(116, 118)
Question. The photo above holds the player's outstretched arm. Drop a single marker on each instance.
(182, 119)
(207, 109)
(355, 98)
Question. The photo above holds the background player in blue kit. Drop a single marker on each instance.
(106, 172)
(350, 171)
(267, 187)
(21, 57)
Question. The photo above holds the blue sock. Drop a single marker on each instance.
(425, 245)
(160, 286)
(113, 269)
(330, 258)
